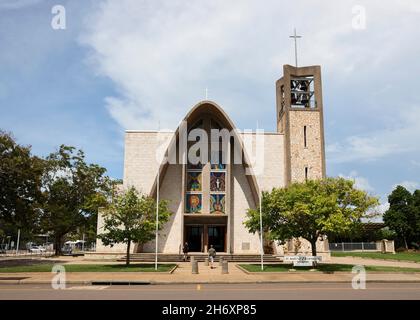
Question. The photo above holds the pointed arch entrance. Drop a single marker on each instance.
(207, 186)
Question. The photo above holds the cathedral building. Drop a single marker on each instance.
(211, 173)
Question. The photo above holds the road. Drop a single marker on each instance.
(275, 291)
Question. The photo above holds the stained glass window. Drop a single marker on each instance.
(209, 175)
(217, 181)
(193, 203)
(219, 166)
(194, 181)
(217, 203)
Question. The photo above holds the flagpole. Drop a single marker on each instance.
(157, 219)
(261, 227)
(157, 210)
(261, 234)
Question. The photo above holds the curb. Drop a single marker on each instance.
(380, 259)
(154, 282)
(320, 272)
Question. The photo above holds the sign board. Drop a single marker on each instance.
(302, 261)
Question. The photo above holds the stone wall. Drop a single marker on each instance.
(140, 169)
(311, 156)
(140, 161)
(170, 237)
(100, 247)
(300, 246)
(273, 174)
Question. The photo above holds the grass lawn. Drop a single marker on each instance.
(406, 256)
(323, 268)
(90, 268)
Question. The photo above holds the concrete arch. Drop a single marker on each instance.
(207, 107)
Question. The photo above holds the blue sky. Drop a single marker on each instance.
(131, 64)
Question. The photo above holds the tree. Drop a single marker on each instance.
(312, 209)
(132, 217)
(416, 208)
(20, 185)
(73, 192)
(401, 215)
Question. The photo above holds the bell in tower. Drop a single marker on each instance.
(300, 119)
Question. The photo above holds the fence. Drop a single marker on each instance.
(354, 246)
(26, 253)
(44, 253)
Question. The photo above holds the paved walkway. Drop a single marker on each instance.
(375, 262)
(206, 275)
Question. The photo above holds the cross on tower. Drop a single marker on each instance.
(295, 36)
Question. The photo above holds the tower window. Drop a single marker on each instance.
(302, 92)
(306, 173)
(304, 136)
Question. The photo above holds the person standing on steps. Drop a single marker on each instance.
(185, 251)
(212, 254)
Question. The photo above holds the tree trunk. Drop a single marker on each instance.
(127, 258)
(57, 244)
(405, 243)
(313, 247)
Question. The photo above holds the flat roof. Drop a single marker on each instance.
(171, 131)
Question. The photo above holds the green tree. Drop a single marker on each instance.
(20, 186)
(416, 208)
(73, 192)
(312, 209)
(132, 217)
(401, 216)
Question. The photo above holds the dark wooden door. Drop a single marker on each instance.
(216, 237)
(194, 237)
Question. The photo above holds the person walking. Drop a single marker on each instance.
(212, 254)
(185, 251)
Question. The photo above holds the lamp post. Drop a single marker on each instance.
(261, 234)
(157, 219)
(83, 243)
(17, 245)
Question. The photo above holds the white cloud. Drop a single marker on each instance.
(163, 54)
(160, 55)
(380, 143)
(382, 208)
(409, 185)
(415, 163)
(359, 181)
(17, 4)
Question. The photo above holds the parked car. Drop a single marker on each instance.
(36, 249)
(66, 249)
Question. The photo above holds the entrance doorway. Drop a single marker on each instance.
(216, 237)
(200, 237)
(194, 237)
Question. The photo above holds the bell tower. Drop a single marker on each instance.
(300, 119)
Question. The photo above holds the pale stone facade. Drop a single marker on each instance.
(294, 153)
(305, 157)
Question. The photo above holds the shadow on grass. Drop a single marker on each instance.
(89, 268)
(27, 262)
(327, 268)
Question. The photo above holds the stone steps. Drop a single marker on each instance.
(150, 257)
